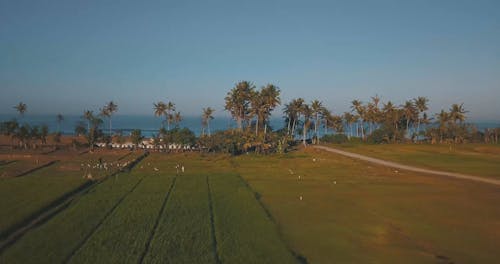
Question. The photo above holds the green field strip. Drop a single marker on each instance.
(244, 232)
(212, 223)
(22, 197)
(55, 240)
(183, 234)
(155, 227)
(123, 236)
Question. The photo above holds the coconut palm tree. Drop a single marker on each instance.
(457, 113)
(358, 107)
(421, 105)
(238, 102)
(316, 108)
(410, 114)
(159, 110)
(177, 119)
(21, 108)
(271, 98)
(325, 115)
(206, 117)
(442, 118)
(88, 115)
(59, 119)
(169, 116)
(349, 119)
(257, 108)
(108, 110)
(307, 112)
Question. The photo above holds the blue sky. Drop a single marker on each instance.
(66, 56)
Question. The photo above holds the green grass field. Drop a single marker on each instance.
(21, 197)
(307, 205)
(474, 159)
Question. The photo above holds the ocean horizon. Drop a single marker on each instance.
(149, 124)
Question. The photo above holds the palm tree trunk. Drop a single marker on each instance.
(208, 126)
(257, 126)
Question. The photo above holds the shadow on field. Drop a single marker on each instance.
(300, 258)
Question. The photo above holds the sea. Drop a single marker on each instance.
(149, 124)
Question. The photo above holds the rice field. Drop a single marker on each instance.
(307, 206)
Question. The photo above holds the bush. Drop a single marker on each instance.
(379, 136)
(335, 138)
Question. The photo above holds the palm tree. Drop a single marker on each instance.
(169, 109)
(442, 119)
(238, 102)
(177, 119)
(358, 107)
(349, 119)
(271, 98)
(206, 117)
(59, 119)
(410, 114)
(457, 113)
(88, 115)
(421, 105)
(108, 110)
(316, 107)
(325, 115)
(307, 112)
(257, 108)
(21, 108)
(160, 109)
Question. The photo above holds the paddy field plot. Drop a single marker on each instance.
(305, 206)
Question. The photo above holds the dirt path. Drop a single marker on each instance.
(409, 168)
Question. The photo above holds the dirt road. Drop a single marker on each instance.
(409, 168)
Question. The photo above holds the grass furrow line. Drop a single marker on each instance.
(212, 223)
(153, 231)
(244, 231)
(183, 234)
(300, 258)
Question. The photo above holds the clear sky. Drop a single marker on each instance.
(66, 56)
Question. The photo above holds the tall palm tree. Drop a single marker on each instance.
(410, 114)
(257, 108)
(88, 115)
(177, 119)
(238, 102)
(59, 119)
(421, 105)
(457, 113)
(206, 117)
(271, 98)
(108, 110)
(325, 115)
(307, 112)
(442, 118)
(169, 109)
(159, 110)
(316, 108)
(21, 108)
(349, 119)
(358, 107)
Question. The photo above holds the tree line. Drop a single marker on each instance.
(308, 123)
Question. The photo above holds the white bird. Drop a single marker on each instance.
(300, 197)
(156, 169)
